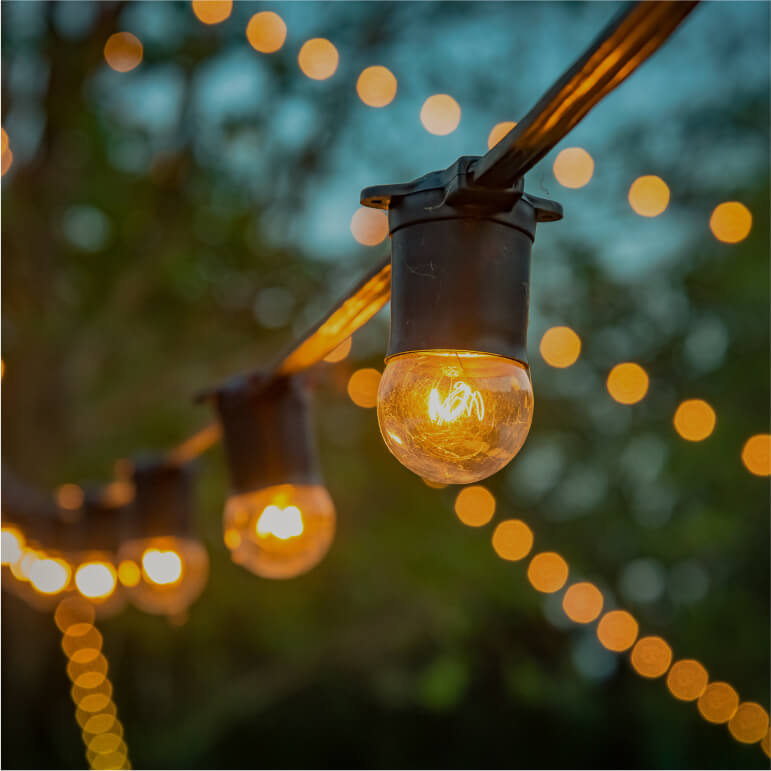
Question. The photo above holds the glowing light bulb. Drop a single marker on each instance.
(454, 417)
(11, 545)
(280, 531)
(162, 567)
(50, 575)
(96, 580)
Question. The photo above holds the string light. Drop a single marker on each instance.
(475, 506)
(628, 383)
(266, 32)
(718, 703)
(318, 59)
(340, 353)
(756, 455)
(369, 226)
(694, 420)
(547, 572)
(512, 540)
(731, 222)
(440, 114)
(687, 679)
(749, 723)
(582, 602)
(649, 196)
(363, 387)
(573, 167)
(498, 132)
(376, 86)
(651, 657)
(617, 630)
(123, 51)
(560, 347)
(212, 11)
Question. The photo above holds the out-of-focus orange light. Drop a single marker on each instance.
(11, 545)
(617, 630)
(369, 226)
(50, 576)
(498, 132)
(582, 602)
(560, 347)
(22, 569)
(440, 114)
(3, 141)
(96, 580)
(628, 383)
(83, 717)
(512, 540)
(718, 703)
(547, 572)
(123, 51)
(102, 723)
(212, 11)
(104, 743)
(475, 506)
(434, 485)
(756, 455)
(649, 196)
(73, 610)
(266, 32)
(69, 496)
(117, 759)
(128, 573)
(749, 723)
(89, 680)
(76, 671)
(694, 420)
(731, 222)
(362, 387)
(232, 538)
(573, 167)
(687, 679)
(340, 352)
(376, 86)
(651, 656)
(82, 643)
(94, 702)
(765, 743)
(162, 567)
(6, 161)
(318, 58)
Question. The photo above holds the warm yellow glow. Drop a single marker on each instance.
(694, 420)
(77, 671)
(731, 222)
(617, 630)
(649, 196)
(69, 496)
(73, 610)
(434, 485)
(318, 59)
(212, 11)
(102, 723)
(749, 723)
(440, 114)
(94, 702)
(89, 680)
(765, 743)
(547, 572)
(339, 353)
(96, 580)
(454, 417)
(115, 759)
(560, 347)
(84, 655)
(123, 51)
(718, 703)
(21, 570)
(362, 387)
(266, 32)
(628, 383)
(104, 743)
(284, 530)
(84, 717)
(6, 161)
(82, 643)
(376, 86)
(687, 679)
(162, 566)
(573, 167)
(582, 602)
(50, 575)
(498, 132)
(475, 506)
(232, 538)
(11, 545)
(512, 540)
(3, 140)
(128, 573)
(651, 656)
(369, 226)
(756, 455)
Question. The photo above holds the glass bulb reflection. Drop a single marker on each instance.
(280, 531)
(454, 417)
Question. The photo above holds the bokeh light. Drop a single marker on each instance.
(123, 51)
(694, 420)
(651, 656)
(560, 347)
(96, 580)
(582, 602)
(6, 161)
(627, 383)
(340, 352)
(547, 572)
(730, 222)
(440, 114)
(573, 167)
(687, 679)
(3, 140)
(71, 611)
(50, 575)
(475, 506)
(162, 566)
(369, 226)
(512, 540)
(318, 58)
(756, 455)
(11, 545)
(718, 703)
(362, 387)
(498, 132)
(128, 573)
(266, 32)
(376, 86)
(212, 11)
(649, 196)
(617, 630)
(749, 723)
(69, 496)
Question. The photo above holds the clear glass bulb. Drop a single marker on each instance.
(280, 531)
(454, 417)
(163, 575)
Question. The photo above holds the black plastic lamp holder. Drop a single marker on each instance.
(460, 261)
(267, 432)
(97, 527)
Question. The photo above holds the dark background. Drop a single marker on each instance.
(169, 226)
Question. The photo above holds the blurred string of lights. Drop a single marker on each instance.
(279, 519)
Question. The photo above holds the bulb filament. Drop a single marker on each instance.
(461, 399)
(281, 523)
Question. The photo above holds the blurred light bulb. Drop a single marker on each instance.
(454, 417)
(49, 575)
(11, 545)
(280, 531)
(96, 580)
(162, 567)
